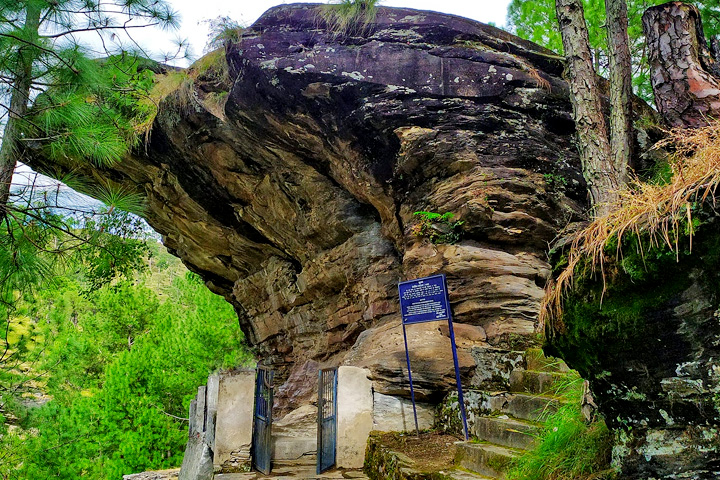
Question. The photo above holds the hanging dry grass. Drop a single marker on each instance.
(164, 85)
(655, 213)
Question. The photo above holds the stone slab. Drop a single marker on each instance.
(234, 419)
(200, 409)
(395, 414)
(170, 474)
(197, 462)
(354, 416)
(292, 448)
(192, 416)
(213, 386)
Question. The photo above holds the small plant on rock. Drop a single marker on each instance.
(555, 182)
(437, 227)
(223, 30)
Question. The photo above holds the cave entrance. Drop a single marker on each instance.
(262, 420)
(327, 419)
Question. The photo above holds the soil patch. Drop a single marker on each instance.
(431, 452)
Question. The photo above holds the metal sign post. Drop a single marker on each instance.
(426, 300)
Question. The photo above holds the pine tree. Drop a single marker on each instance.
(40, 51)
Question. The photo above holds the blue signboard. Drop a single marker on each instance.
(424, 300)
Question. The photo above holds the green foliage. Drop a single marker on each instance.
(556, 183)
(95, 114)
(349, 17)
(569, 448)
(535, 20)
(437, 227)
(117, 248)
(88, 109)
(120, 364)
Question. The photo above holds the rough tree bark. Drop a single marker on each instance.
(684, 76)
(621, 133)
(603, 179)
(19, 101)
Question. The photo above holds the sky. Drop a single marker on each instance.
(194, 15)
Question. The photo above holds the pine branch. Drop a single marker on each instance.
(40, 47)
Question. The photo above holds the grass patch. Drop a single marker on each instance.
(211, 66)
(349, 17)
(163, 86)
(569, 448)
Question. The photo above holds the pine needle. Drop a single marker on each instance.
(654, 212)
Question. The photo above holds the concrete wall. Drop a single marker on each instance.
(233, 420)
(354, 416)
(213, 389)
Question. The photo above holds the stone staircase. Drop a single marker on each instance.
(515, 417)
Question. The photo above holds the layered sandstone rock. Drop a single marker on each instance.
(294, 196)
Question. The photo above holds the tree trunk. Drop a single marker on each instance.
(621, 133)
(19, 101)
(602, 178)
(684, 76)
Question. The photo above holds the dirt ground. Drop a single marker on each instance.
(431, 452)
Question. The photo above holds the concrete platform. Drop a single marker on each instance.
(297, 470)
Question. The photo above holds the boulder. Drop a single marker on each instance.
(295, 197)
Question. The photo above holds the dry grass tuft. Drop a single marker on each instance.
(211, 66)
(656, 213)
(539, 80)
(164, 86)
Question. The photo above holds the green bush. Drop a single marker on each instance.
(120, 365)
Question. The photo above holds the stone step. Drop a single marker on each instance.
(535, 408)
(507, 432)
(304, 461)
(531, 381)
(536, 360)
(464, 475)
(292, 448)
(484, 458)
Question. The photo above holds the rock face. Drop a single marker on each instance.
(294, 197)
(651, 350)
